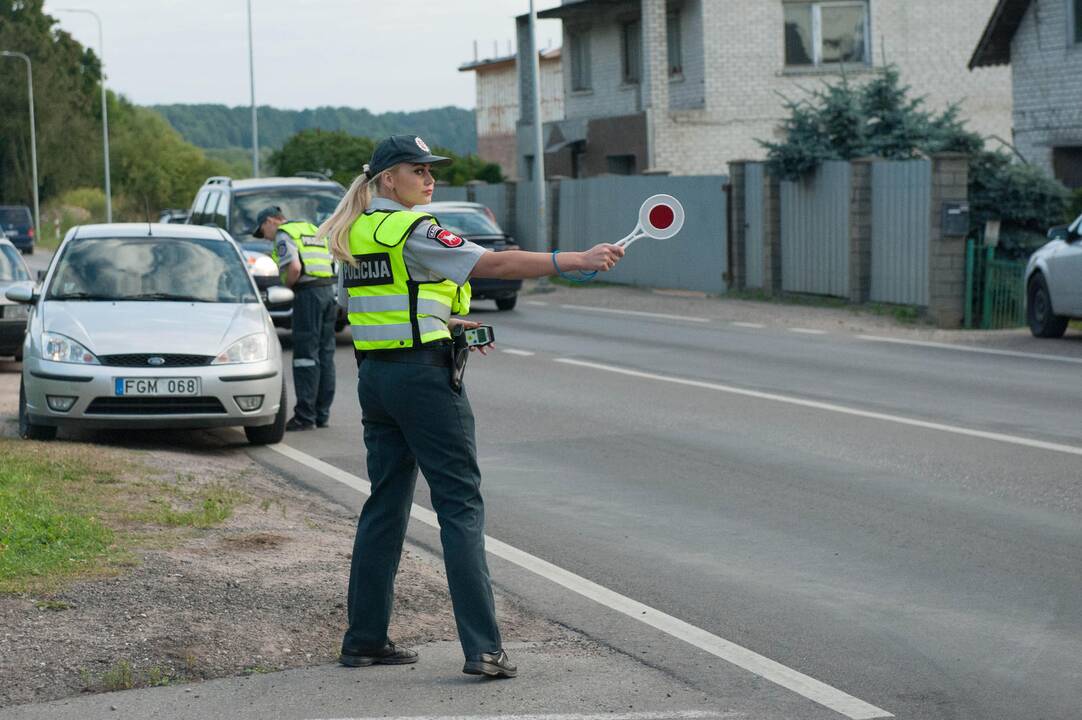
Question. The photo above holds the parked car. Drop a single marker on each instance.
(17, 225)
(233, 205)
(476, 223)
(1054, 282)
(13, 271)
(150, 326)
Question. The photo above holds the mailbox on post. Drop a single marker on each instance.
(955, 222)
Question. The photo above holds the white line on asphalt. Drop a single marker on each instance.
(513, 351)
(984, 435)
(757, 326)
(536, 302)
(806, 331)
(719, 647)
(672, 715)
(637, 313)
(965, 348)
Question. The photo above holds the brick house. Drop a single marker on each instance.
(685, 86)
(498, 101)
(1042, 42)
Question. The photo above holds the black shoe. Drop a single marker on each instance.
(295, 424)
(387, 655)
(322, 424)
(492, 665)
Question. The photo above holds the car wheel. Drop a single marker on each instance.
(1043, 323)
(28, 430)
(273, 433)
(507, 303)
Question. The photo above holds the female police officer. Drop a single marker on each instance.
(405, 276)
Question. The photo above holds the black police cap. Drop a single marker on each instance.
(399, 149)
(267, 212)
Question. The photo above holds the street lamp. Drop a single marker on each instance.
(33, 136)
(104, 110)
(251, 82)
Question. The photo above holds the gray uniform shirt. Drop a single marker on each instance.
(431, 253)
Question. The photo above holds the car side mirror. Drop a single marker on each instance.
(41, 276)
(21, 294)
(1059, 232)
(278, 295)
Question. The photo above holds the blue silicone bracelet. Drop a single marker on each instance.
(584, 277)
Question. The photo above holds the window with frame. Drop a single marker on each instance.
(579, 45)
(676, 50)
(826, 32)
(632, 51)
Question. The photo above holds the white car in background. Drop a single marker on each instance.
(150, 326)
(1054, 282)
(13, 272)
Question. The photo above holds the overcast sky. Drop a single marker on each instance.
(382, 55)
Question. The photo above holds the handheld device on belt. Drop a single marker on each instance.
(460, 353)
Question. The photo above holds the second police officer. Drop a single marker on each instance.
(305, 265)
(406, 278)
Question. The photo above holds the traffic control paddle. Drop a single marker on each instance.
(660, 218)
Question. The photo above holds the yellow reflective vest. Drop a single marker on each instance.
(314, 251)
(388, 310)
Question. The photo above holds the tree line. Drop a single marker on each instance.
(219, 126)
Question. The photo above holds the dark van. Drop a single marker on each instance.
(17, 224)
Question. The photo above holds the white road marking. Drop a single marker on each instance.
(513, 351)
(807, 331)
(636, 313)
(673, 715)
(757, 326)
(536, 302)
(966, 348)
(984, 435)
(762, 666)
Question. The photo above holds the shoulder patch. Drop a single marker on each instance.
(444, 237)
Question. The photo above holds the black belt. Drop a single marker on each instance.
(322, 282)
(439, 356)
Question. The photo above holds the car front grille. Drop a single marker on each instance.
(155, 406)
(142, 360)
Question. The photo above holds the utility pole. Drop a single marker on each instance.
(251, 82)
(33, 136)
(539, 144)
(104, 111)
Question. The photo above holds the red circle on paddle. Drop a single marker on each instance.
(661, 216)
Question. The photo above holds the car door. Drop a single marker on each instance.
(1065, 273)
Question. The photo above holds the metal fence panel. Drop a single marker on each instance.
(605, 209)
(753, 231)
(901, 229)
(494, 197)
(450, 193)
(815, 232)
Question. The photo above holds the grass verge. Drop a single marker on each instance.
(69, 510)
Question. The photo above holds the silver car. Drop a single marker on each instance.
(150, 326)
(13, 272)
(1054, 282)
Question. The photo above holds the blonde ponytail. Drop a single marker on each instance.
(350, 207)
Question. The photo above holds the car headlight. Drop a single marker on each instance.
(262, 265)
(249, 349)
(16, 312)
(61, 348)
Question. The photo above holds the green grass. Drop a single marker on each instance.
(204, 508)
(50, 525)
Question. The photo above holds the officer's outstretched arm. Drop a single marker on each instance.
(520, 264)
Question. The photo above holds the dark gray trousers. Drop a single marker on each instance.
(413, 418)
(314, 313)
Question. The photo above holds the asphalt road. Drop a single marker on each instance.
(903, 523)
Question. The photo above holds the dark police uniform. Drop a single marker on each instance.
(412, 417)
(314, 315)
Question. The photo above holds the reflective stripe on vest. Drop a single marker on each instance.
(381, 292)
(315, 253)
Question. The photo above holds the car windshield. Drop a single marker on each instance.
(11, 265)
(312, 205)
(15, 216)
(468, 222)
(144, 269)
